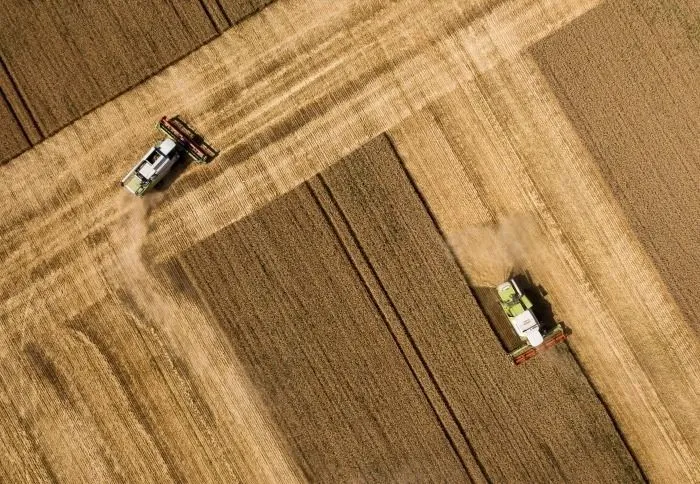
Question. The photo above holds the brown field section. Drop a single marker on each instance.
(281, 111)
(64, 60)
(304, 326)
(628, 76)
(13, 140)
(312, 332)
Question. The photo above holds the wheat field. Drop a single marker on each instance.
(303, 307)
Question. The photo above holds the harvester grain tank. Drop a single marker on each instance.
(518, 309)
(181, 141)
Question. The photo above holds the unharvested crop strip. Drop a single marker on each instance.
(396, 327)
(15, 136)
(437, 226)
(611, 416)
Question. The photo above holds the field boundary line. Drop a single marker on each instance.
(225, 14)
(609, 413)
(216, 15)
(16, 118)
(20, 109)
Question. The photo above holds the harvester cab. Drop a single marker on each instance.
(518, 309)
(181, 140)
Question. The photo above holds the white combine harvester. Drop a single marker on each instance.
(160, 159)
(518, 308)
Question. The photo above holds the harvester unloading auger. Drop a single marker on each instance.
(161, 157)
(534, 337)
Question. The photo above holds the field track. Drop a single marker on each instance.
(281, 314)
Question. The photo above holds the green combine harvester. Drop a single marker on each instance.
(518, 309)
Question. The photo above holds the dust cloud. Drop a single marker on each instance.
(491, 253)
(161, 314)
(127, 274)
(146, 297)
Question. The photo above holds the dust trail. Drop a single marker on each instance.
(163, 316)
(128, 271)
(490, 253)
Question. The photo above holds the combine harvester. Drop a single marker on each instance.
(181, 139)
(518, 309)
